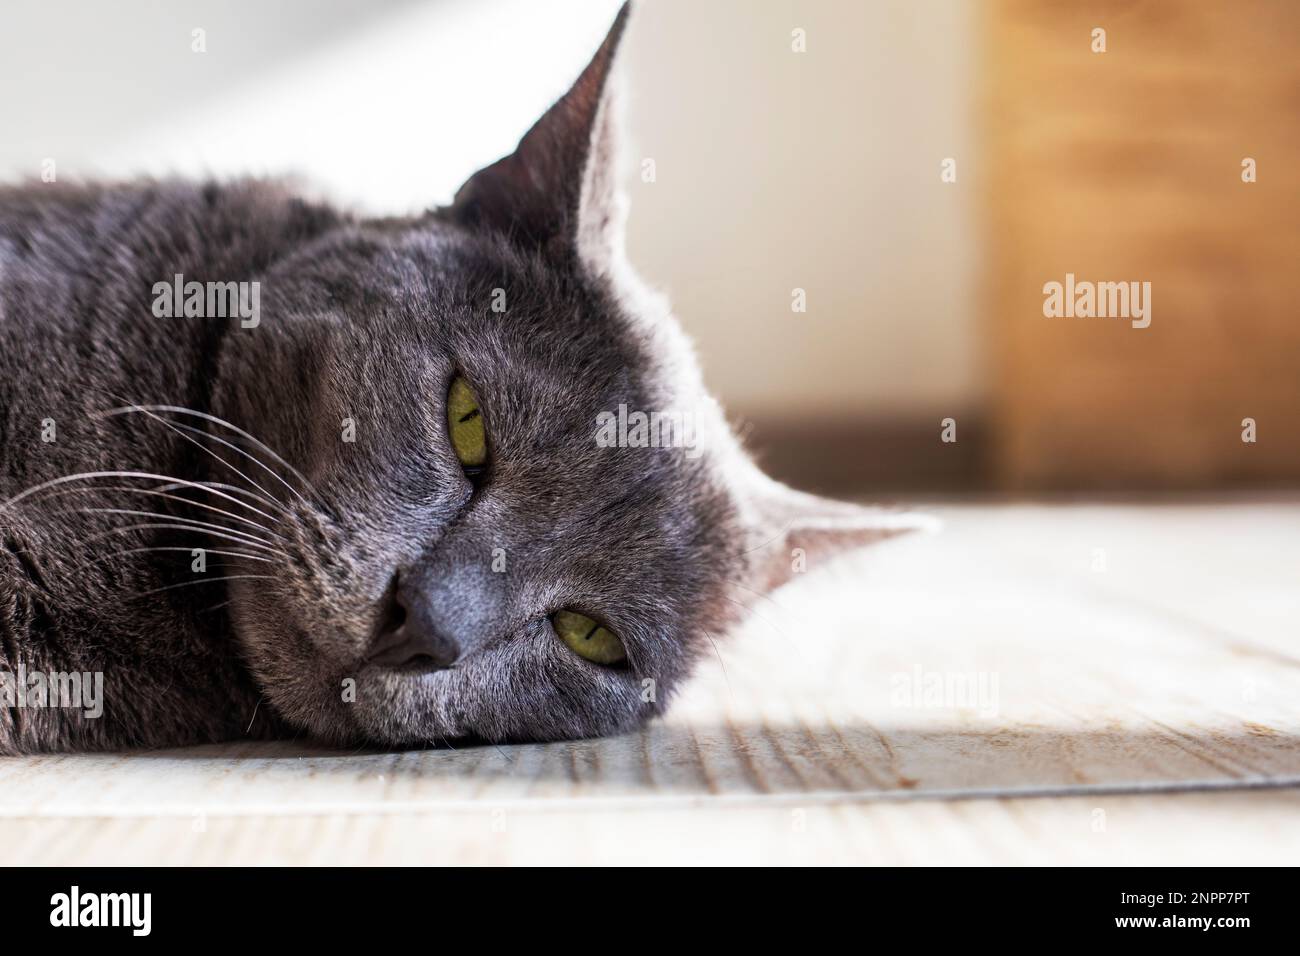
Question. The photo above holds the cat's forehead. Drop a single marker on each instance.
(567, 333)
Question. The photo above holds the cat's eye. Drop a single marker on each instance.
(588, 639)
(465, 427)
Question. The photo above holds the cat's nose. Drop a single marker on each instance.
(408, 638)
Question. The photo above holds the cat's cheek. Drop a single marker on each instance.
(305, 686)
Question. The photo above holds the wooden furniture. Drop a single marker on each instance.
(1127, 165)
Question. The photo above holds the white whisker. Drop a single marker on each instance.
(717, 653)
(185, 584)
(208, 451)
(161, 494)
(186, 527)
(86, 475)
(235, 448)
(225, 424)
(227, 554)
(195, 522)
(235, 489)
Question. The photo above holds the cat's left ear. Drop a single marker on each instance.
(793, 532)
(558, 190)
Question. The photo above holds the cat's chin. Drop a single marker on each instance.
(375, 707)
(397, 707)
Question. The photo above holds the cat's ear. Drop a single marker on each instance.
(792, 532)
(558, 190)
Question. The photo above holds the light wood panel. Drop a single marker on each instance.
(1126, 166)
(1242, 827)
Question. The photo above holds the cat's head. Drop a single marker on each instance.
(485, 537)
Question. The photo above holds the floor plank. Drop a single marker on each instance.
(1229, 828)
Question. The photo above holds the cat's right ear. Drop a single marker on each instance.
(558, 190)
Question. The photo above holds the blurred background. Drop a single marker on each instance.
(919, 169)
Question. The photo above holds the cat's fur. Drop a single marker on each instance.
(367, 321)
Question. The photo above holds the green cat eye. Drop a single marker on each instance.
(465, 425)
(588, 639)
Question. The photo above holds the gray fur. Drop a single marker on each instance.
(368, 321)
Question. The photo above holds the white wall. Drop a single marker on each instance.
(774, 170)
(820, 171)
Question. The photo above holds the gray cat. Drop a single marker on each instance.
(270, 470)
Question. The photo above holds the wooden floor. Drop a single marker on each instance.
(1036, 684)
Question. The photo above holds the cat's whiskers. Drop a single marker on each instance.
(264, 538)
(161, 494)
(193, 522)
(721, 663)
(90, 475)
(181, 410)
(249, 728)
(777, 537)
(185, 527)
(240, 451)
(177, 428)
(205, 580)
(235, 489)
(187, 550)
(256, 535)
(170, 484)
